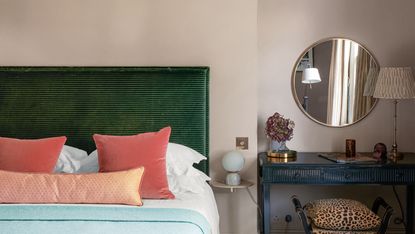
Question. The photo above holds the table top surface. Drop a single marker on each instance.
(313, 159)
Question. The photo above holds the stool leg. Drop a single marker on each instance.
(299, 210)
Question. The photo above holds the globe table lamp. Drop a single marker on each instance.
(395, 83)
(233, 162)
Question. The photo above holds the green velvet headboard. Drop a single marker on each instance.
(77, 102)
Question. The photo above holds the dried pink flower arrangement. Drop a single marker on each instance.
(279, 128)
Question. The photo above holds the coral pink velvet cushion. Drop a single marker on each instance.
(147, 149)
(108, 188)
(38, 155)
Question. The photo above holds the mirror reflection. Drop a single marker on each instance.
(333, 82)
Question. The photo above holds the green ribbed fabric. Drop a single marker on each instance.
(77, 102)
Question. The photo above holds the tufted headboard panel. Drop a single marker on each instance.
(77, 102)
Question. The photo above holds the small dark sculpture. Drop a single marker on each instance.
(380, 151)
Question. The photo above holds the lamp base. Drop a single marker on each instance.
(394, 154)
(233, 178)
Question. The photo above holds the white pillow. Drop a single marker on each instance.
(181, 175)
(180, 158)
(90, 163)
(70, 160)
(187, 183)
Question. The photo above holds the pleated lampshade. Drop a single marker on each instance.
(395, 83)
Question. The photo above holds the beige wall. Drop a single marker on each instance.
(285, 29)
(215, 33)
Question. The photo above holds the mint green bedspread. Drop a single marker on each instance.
(65, 219)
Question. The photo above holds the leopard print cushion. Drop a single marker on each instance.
(342, 215)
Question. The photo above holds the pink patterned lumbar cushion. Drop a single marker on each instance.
(120, 187)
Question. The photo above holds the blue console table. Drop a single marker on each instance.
(309, 168)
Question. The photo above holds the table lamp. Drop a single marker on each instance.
(395, 83)
(233, 162)
(310, 76)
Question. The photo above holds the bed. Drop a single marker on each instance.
(37, 102)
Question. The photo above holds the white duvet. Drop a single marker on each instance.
(204, 203)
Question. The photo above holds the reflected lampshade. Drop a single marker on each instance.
(395, 83)
(233, 161)
(310, 76)
(371, 80)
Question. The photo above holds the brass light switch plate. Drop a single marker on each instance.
(242, 143)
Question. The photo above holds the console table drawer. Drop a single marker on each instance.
(395, 176)
(339, 176)
(368, 176)
(291, 176)
(344, 176)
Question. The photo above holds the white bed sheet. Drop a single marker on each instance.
(204, 203)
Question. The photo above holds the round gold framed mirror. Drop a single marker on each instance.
(333, 82)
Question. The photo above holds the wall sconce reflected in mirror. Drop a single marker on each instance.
(310, 76)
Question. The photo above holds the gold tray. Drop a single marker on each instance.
(282, 154)
(281, 160)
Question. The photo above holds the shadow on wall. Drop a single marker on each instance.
(263, 141)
